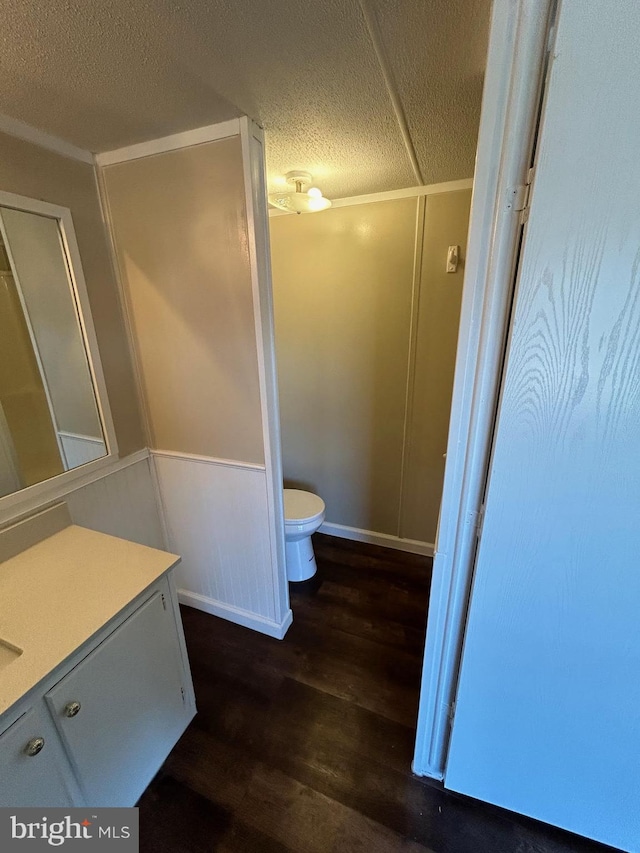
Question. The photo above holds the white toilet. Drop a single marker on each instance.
(303, 515)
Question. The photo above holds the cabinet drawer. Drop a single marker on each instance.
(122, 708)
(40, 779)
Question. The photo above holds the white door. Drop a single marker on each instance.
(547, 718)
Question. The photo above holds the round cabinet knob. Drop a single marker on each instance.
(34, 746)
(71, 709)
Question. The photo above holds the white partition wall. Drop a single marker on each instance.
(188, 216)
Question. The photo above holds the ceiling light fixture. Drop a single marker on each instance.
(301, 199)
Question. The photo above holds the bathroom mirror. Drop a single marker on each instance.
(52, 402)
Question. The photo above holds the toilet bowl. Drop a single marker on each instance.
(303, 515)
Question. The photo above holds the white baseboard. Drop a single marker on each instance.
(412, 546)
(235, 614)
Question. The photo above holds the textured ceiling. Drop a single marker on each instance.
(437, 49)
(102, 75)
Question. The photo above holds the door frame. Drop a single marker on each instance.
(518, 43)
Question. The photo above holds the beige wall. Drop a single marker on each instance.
(342, 290)
(34, 172)
(343, 284)
(180, 228)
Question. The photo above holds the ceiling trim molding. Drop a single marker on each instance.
(185, 139)
(28, 133)
(390, 195)
(392, 89)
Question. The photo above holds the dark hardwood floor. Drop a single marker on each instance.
(305, 744)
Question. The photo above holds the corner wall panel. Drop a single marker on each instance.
(185, 224)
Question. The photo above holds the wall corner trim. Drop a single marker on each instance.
(252, 140)
(208, 460)
(185, 139)
(28, 133)
(391, 195)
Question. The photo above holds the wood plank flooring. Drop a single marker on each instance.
(305, 745)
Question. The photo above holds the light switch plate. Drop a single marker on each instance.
(453, 255)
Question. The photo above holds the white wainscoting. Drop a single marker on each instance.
(80, 449)
(216, 516)
(412, 546)
(122, 503)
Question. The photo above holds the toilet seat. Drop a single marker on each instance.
(301, 507)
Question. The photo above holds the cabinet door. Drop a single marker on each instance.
(42, 778)
(121, 710)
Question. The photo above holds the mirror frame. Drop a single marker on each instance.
(56, 486)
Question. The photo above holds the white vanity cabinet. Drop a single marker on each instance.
(99, 688)
(33, 767)
(121, 709)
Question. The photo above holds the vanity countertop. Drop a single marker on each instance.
(58, 593)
